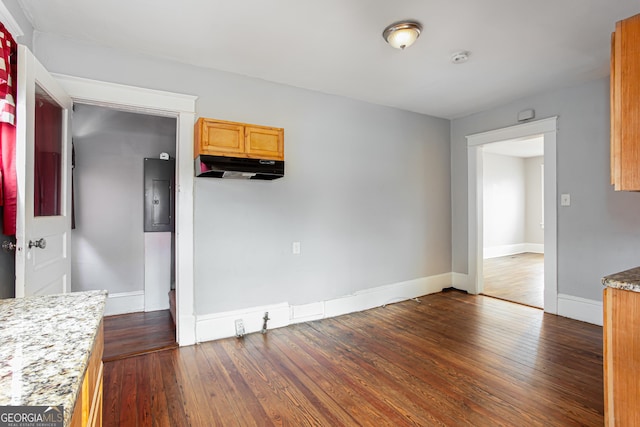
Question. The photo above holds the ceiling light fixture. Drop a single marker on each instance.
(401, 35)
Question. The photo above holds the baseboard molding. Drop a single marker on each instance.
(124, 302)
(186, 332)
(582, 309)
(222, 325)
(460, 281)
(518, 248)
(388, 294)
(536, 248)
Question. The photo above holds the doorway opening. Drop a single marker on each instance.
(181, 108)
(546, 130)
(112, 246)
(513, 220)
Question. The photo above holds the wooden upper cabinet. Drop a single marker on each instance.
(222, 138)
(264, 143)
(625, 105)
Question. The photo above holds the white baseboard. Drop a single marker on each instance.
(186, 331)
(582, 309)
(518, 248)
(460, 281)
(307, 312)
(124, 302)
(382, 295)
(536, 248)
(222, 325)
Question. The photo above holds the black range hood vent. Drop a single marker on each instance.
(238, 168)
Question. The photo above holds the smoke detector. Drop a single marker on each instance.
(460, 57)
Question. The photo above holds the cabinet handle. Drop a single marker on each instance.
(267, 162)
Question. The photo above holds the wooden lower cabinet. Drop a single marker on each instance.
(88, 407)
(621, 357)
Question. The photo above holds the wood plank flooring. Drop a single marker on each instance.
(132, 334)
(453, 359)
(518, 278)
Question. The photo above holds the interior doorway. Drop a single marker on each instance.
(182, 108)
(546, 129)
(513, 220)
(111, 246)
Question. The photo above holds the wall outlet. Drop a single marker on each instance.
(239, 328)
(565, 200)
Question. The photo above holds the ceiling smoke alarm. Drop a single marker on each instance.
(460, 57)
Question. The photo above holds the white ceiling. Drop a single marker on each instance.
(518, 47)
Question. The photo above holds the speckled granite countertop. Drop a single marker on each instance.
(45, 343)
(628, 280)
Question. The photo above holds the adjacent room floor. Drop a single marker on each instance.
(451, 359)
(517, 278)
(132, 334)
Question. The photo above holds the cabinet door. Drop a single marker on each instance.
(264, 142)
(621, 358)
(625, 107)
(219, 138)
(615, 116)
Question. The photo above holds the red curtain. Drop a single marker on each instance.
(9, 190)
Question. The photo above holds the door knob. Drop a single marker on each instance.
(41, 243)
(8, 246)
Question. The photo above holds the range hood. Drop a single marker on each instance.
(238, 168)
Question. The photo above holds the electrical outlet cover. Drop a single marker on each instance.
(239, 328)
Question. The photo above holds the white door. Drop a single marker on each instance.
(43, 169)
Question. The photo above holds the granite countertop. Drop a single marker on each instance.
(45, 343)
(628, 280)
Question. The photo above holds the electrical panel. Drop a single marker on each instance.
(159, 195)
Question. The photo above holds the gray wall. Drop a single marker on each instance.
(600, 232)
(512, 200)
(107, 245)
(534, 233)
(366, 191)
(504, 199)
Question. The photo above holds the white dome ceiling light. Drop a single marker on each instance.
(401, 35)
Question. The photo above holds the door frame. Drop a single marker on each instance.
(182, 108)
(547, 128)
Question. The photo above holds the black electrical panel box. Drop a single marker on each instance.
(159, 195)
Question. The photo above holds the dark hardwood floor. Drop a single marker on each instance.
(517, 278)
(453, 359)
(133, 334)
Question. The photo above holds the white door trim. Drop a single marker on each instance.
(547, 128)
(159, 103)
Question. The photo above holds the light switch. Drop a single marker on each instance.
(565, 200)
(295, 248)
